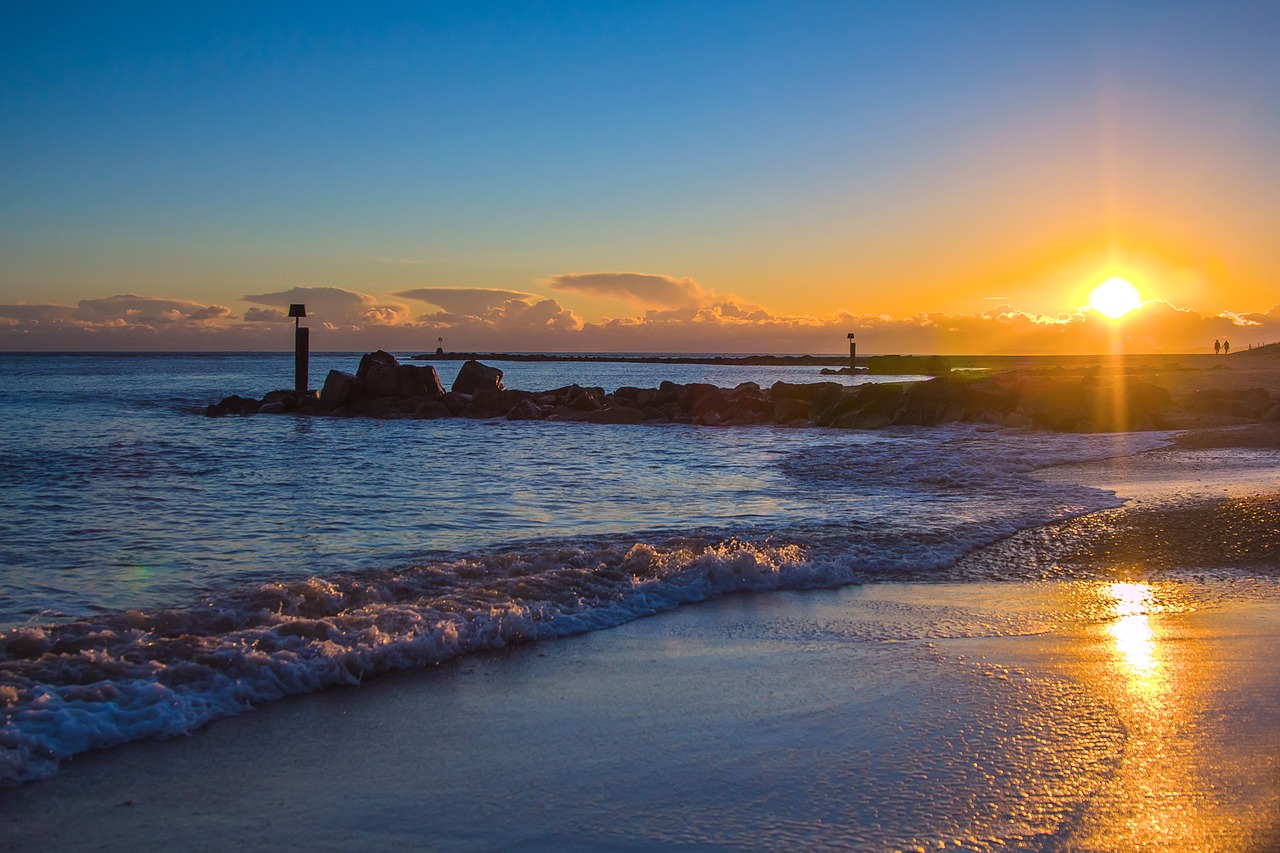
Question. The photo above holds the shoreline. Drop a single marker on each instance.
(850, 717)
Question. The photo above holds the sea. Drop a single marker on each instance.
(160, 569)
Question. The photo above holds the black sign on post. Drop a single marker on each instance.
(301, 348)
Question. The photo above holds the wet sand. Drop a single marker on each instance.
(1119, 698)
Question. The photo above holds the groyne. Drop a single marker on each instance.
(382, 387)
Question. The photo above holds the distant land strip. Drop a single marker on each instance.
(746, 360)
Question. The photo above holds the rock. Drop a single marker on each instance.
(587, 399)
(1253, 403)
(402, 380)
(384, 408)
(368, 361)
(937, 365)
(741, 419)
(457, 403)
(615, 415)
(430, 410)
(381, 380)
(233, 405)
(271, 409)
(1272, 415)
(870, 407)
(424, 378)
(789, 409)
(701, 399)
(475, 376)
(341, 389)
(525, 410)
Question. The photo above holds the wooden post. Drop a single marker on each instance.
(301, 348)
(853, 352)
(301, 358)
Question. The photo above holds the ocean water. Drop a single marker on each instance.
(160, 569)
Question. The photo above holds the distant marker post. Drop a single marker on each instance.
(301, 348)
(853, 351)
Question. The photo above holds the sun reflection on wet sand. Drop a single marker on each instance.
(1132, 631)
(1178, 785)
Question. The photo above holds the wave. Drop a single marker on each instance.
(107, 679)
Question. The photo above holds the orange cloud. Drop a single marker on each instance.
(340, 308)
(465, 300)
(639, 288)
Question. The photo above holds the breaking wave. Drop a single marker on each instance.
(103, 680)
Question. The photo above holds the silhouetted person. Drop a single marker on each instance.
(1226, 347)
(1217, 347)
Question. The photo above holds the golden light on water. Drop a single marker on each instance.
(1115, 298)
(1134, 638)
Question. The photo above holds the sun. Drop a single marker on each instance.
(1115, 297)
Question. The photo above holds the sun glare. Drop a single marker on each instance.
(1115, 297)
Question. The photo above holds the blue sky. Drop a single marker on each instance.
(805, 157)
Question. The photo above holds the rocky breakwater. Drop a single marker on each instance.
(384, 388)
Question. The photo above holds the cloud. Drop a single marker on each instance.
(465, 300)
(265, 315)
(146, 311)
(647, 289)
(336, 306)
(513, 315)
(37, 313)
(505, 320)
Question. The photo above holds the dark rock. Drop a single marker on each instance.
(525, 410)
(271, 409)
(424, 378)
(1253, 403)
(457, 403)
(820, 395)
(341, 389)
(430, 410)
(384, 408)
(789, 409)
(741, 419)
(233, 405)
(475, 376)
(368, 361)
(701, 399)
(381, 380)
(869, 407)
(628, 394)
(615, 415)
(587, 399)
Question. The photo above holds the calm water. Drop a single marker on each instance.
(159, 569)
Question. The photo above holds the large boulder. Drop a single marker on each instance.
(403, 380)
(369, 361)
(424, 377)
(340, 389)
(474, 377)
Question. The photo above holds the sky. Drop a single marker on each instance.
(669, 177)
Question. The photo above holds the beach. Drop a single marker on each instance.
(1115, 694)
